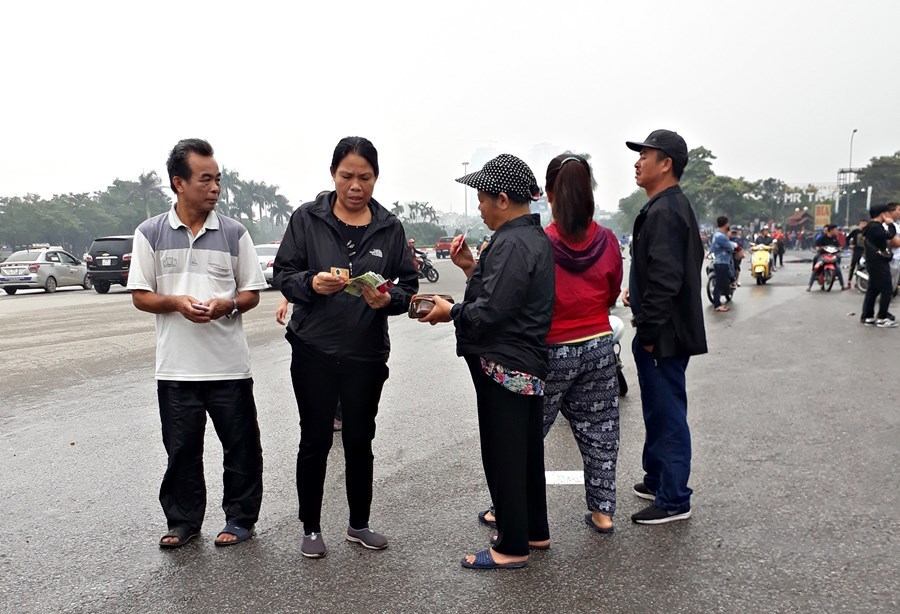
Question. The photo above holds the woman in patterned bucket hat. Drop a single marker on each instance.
(501, 329)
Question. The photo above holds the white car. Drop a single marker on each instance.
(266, 253)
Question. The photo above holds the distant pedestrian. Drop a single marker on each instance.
(665, 298)
(198, 272)
(780, 238)
(880, 238)
(856, 243)
(894, 212)
(723, 262)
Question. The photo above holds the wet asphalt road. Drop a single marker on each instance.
(796, 446)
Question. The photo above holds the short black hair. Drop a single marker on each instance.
(876, 210)
(721, 221)
(355, 145)
(677, 170)
(177, 163)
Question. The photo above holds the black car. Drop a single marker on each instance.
(108, 261)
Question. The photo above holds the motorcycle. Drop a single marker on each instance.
(618, 327)
(426, 270)
(862, 277)
(761, 262)
(826, 266)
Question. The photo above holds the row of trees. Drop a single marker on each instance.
(743, 200)
(74, 220)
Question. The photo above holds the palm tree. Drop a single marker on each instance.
(230, 189)
(414, 209)
(397, 209)
(280, 210)
(148, 191)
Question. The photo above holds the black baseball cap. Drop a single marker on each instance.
(668, 142)
(505, 173)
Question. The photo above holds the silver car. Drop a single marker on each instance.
(266, 253)
(48, 268)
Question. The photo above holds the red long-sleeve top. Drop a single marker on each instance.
(584, 297)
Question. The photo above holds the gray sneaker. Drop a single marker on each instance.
(367, 537)
(312, 546)
(885, 323)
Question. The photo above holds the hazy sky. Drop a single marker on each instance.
(92, 91)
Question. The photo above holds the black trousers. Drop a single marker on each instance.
(723, 280)
(854, 261)
(319, 384)
(512, 451)
(879, 284)
(182, 411)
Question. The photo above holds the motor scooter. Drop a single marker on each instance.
(761, 262)
(618, 328)
(826, 266)
(426, 269)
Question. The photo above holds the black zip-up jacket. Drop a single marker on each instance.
(342, 326)
(667, 258)
(505, 315)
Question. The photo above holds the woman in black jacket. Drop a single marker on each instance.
(339, 341)
(501, 330)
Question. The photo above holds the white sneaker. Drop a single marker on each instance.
(885, 323)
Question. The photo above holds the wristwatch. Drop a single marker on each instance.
(234, 309)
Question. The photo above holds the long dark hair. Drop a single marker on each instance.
(571, 183)
(355, 145)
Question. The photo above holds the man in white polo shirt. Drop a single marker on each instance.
(198, 271)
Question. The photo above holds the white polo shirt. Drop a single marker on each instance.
(219, 262)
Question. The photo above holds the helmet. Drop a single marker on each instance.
(412, 241)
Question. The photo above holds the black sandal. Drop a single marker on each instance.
(184, 535)
(485, 521)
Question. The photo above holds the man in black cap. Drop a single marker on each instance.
(665, 298)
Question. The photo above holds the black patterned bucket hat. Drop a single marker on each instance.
(505, 173)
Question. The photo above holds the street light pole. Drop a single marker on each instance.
(852, 134)
(465, 197)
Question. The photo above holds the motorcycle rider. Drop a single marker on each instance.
(764, 238)
(828, 237)
(740, 247)
(417, 254)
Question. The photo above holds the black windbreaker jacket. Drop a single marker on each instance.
(667, 258)
(342, 326)
(508, 305)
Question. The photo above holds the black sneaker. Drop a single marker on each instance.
(655, 515)
(641, 490)
(868, 321)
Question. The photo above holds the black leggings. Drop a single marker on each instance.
(512, 451)
(319, 383)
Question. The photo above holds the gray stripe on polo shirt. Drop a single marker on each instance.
(161, 236)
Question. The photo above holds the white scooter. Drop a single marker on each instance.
(618, 327)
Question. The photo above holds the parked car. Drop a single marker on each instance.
(266, 253)
(48, 268)
(108, 261)
(442, 247)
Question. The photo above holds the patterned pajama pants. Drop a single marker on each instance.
(582, 385)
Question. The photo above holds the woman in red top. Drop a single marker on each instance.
(582, 379)
(582, 366)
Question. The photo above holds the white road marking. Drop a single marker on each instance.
(565, 477)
